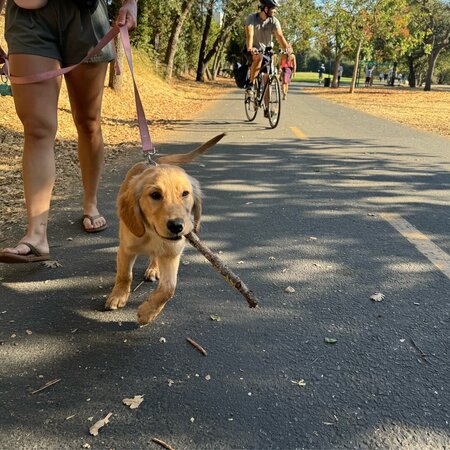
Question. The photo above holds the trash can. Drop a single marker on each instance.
(327, 82)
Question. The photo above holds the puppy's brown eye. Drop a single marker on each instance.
(185, 193)
(156, 195)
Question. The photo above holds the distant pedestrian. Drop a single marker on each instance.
(321, 72)
(288, 67)
(369, 73)
(340, 72)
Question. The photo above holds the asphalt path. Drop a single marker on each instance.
(337, 205)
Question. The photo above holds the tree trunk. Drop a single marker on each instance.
(217, 65)
(432, 58)
(356, 67)
(412, 72)
(175, 35)
(116, 79)
(337, 63)
(394, 74)
(201, 56)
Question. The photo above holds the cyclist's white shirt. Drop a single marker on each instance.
(263, 30)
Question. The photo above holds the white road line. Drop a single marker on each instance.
(425, 246)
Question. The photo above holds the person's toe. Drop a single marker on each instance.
(93, 222)
(99, 222)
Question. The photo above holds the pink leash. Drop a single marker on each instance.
(147, 146)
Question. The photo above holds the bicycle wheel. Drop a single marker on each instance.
(274, 102)
(251, 102)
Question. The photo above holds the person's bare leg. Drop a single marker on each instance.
(85, 87)
(254, 68)
(36, 106)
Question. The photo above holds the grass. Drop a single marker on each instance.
(313, 77)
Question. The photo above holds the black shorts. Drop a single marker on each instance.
(60, 30)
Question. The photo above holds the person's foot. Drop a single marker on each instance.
(93, 223)
(24, 249)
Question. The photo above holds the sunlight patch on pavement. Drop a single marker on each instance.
(59, 284)
(37, 349)
(435, 254)
(298, 133)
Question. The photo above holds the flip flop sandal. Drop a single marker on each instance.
(92, 218)
(34, 255)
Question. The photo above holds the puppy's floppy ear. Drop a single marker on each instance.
(197, 208)
(128, 201)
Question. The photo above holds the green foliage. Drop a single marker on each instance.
(320, 30)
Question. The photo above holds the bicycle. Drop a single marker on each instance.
(256, 98)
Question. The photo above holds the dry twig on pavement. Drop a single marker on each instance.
(162, 443)
(46, 385)
(230, 276)
(197, 346)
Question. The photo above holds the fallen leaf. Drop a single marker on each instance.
(329, 340)
(215, 318)
(99, 424)
(134, 402)
(377, 297)
(300, 383)
(51, 264)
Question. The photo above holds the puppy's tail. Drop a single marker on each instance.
(184, 158)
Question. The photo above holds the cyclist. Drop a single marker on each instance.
(259, 31)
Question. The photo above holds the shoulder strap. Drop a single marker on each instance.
(4, 68)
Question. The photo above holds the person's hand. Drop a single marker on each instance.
(127, 15)
(254, 51)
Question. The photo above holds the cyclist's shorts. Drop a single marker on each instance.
(60, 30)
(249, 57)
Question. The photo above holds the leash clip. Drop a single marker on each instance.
(148, 156)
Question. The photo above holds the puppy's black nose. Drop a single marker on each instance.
(175, 226)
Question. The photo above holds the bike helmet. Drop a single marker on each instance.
(270, 3)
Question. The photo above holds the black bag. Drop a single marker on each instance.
(240, 72)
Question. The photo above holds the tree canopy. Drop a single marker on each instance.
(205, 36)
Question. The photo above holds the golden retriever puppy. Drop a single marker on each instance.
(157, 206)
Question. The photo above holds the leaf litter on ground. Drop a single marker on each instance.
(99, 424)
(134, 402)
(377, 297)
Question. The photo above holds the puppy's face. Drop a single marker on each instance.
(164, 198)
(166, 202)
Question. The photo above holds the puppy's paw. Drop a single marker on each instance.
(115, 301)
(147, 313)
(151, 273)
